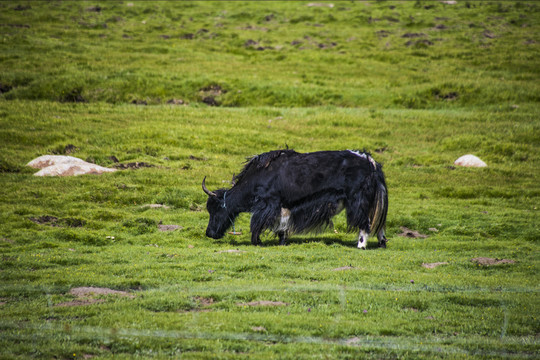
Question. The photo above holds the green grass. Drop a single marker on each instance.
(73, 76)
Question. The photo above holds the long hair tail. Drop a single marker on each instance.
(379, 207)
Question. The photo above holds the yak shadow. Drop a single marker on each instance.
(270, 240)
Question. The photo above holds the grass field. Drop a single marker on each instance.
(190, 89)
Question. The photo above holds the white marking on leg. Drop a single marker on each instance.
(284, 220)
(362, 240)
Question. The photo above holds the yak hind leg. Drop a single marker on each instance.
(362, 239)
(284, 225)
(382, 239)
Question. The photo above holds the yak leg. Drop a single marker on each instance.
(282, 237)
(284, 224)
(358, 217)
(362, 239)
(255, 239)
(263, 217)
(382, 239)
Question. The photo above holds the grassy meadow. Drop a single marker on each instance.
(170, 92)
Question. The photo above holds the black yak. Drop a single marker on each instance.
(290, 192)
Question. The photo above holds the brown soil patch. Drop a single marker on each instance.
(86, 295)
(413, 35)
(434, 265)
(406, 232)
(343, 268)
(169, 227)
(485, 261)
(92, 291)
(489, 34)
(354, 340)
(133, 165)
(382, 33)
(204, 301)
(80, 302)
(263, 303)
(176, 102)
(419, 42)
(54, 221)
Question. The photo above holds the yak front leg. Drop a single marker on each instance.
(362, 239)
(262, 217)
(256, 239)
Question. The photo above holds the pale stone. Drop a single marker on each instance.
(49, 160)
(320, 5)
(60, 165)
(73, 170)
(470, 161)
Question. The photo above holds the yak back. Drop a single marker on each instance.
(256, 163)
(309, 175)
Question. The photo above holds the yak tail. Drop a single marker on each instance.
(379, 207)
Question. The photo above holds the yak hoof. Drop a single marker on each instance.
(382, 244)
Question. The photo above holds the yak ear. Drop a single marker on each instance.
(205, 189)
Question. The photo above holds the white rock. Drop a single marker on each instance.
(320, 5)
(73, 170)
(59, 165)
(49, 160)
(470, 161)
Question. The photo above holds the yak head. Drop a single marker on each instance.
(220, 216)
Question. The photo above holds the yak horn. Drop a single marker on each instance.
(208, 192)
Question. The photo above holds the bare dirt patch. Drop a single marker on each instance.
(406, 232)
(203, 304)
(54, 221)
(169, 227)
(204, 301)
(434, 265)
(80, 302)
(93, 291)
(176, 102)
(485, 261)
(343, 268)
(87, 296)
(353, 341)
(423, 42)
(413, 35)
(133, 165)
(263, 303)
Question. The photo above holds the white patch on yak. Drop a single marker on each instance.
(284, 221)
(365, 156)
(362, 240)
